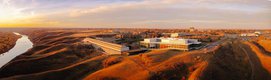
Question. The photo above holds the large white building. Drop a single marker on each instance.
(109, 48)
(175, 35)
(255, 34)
(171, 43)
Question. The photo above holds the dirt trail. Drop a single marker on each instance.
(252, 65)
(259, 72)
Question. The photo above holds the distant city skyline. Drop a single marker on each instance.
(202, 14)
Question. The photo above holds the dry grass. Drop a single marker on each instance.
(7, 41)
(52, 50)
(266, 44)
(121, 70)
(111, 61)
(154, 65)
(196, 74)
(265, 59)
(60, 56)
(229, 62)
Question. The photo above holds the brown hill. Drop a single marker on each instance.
(263, 56)
(7, 41)
(59, 55)
(49, 53)
(266, 44)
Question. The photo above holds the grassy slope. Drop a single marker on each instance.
(266, 44)
(264, 58)
(231, 62)
(51, 51)
(158, 64)
(59, 57)
(7, 41)
(228, 63)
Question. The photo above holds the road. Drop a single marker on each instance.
(214, 44)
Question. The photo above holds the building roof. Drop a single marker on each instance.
(173, 41)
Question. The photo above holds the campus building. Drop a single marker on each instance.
(192, 29)
(109, 48)
(176, 35)
(170, 43)
(255, 34)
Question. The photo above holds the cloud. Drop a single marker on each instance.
(6, 2)
(122, 6)
(176, 12)
(147, 12)
(227, 5)
(98, 9)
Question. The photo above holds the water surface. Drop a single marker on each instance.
(22, 45)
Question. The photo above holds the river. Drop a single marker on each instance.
(22, 45)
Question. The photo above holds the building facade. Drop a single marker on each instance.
(169, 43)
(176, 35)
(249, 35)
(109, 48)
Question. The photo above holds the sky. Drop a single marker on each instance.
(218, 14)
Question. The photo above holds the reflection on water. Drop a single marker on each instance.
(22, 45)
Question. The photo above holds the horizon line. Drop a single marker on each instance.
(131, 28)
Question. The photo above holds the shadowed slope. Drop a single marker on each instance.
(264, 57)
(235, 61)
(49, 56)
(59, 56)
